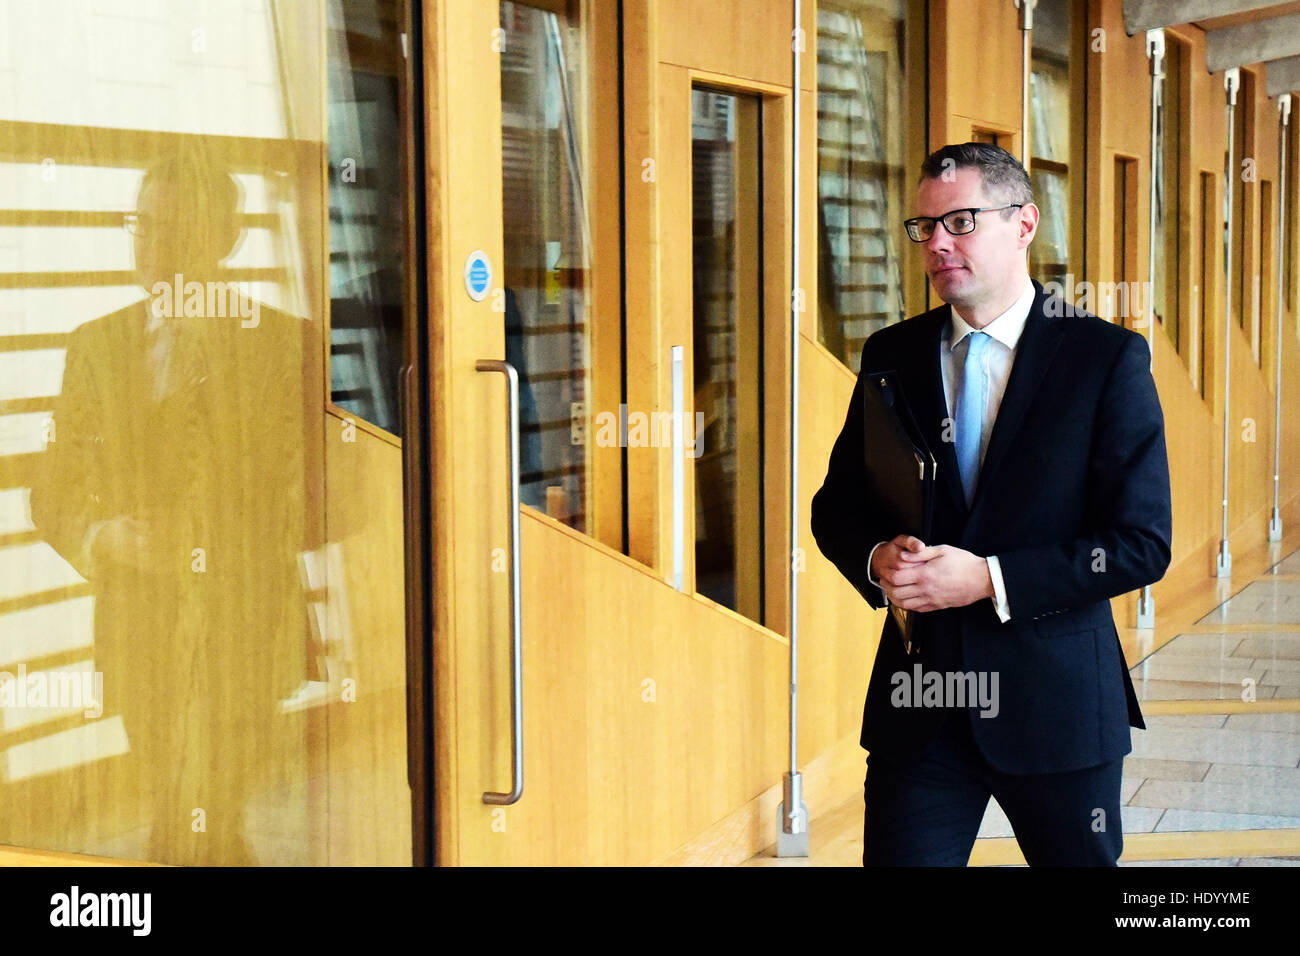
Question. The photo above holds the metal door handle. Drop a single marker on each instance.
(516, 618)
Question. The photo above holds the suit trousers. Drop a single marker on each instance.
(926, 810)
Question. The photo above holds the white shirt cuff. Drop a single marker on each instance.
(999, 589)
(870, 558)
(869, 577)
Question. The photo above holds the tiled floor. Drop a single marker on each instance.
(1214, 772)
(1224, 861)
(1222, 666)
(1189, 772)
(1260, 602)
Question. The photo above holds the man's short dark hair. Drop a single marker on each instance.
(1005, 180)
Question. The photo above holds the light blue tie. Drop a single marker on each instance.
(970, 413)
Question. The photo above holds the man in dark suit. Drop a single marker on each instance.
(1052, 498)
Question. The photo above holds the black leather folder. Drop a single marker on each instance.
(900, 469)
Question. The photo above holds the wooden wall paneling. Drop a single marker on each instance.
(1250, 458)
(365, 612)
(683, 707)
(751, 315)
(917, 145)
(746, 39)
(1213, 315)
(365, 756)
(676, 302)
(1125, 131)
(628, 661)
(541, 827)
(775, 368)
(662, 711)
(1123, 94)
(838, 630)
(1094, 161)
(647, 161)
(1250, 470)
(306, 81)
(1080, 119)
(808, 213)
(303, 46)
(471, 596)
(1207, 141)
(600, 111)
(438, 289)
(1127, 250)
(937, 57)
(808, 79)
(1121, 124)
(705, 745)
(977, 57)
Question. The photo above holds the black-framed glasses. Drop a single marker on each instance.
(958, 222)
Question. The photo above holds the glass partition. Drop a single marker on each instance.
(367, 227)
(1056, 142)
(1243, 286)
(727, 343)
(547, 295)
(871, 112)
(1168, 293)
(175, 635)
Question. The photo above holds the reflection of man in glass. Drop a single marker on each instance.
(178, 486)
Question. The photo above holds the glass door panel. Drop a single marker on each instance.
(204, 666)
(726, 159)
(547, 237)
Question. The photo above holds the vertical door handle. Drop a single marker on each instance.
(516, 617)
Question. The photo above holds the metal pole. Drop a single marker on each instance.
(1146, 609)
(1284, 115)
(1156, 54)
(1231, 81)
(792, 814)
(794, 388)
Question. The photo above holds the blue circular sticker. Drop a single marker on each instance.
(478, 275)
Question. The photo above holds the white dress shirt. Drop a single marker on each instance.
(1004, 332)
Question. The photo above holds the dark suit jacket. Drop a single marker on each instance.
(1073, 498)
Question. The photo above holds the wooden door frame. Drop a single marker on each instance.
(422, 293)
